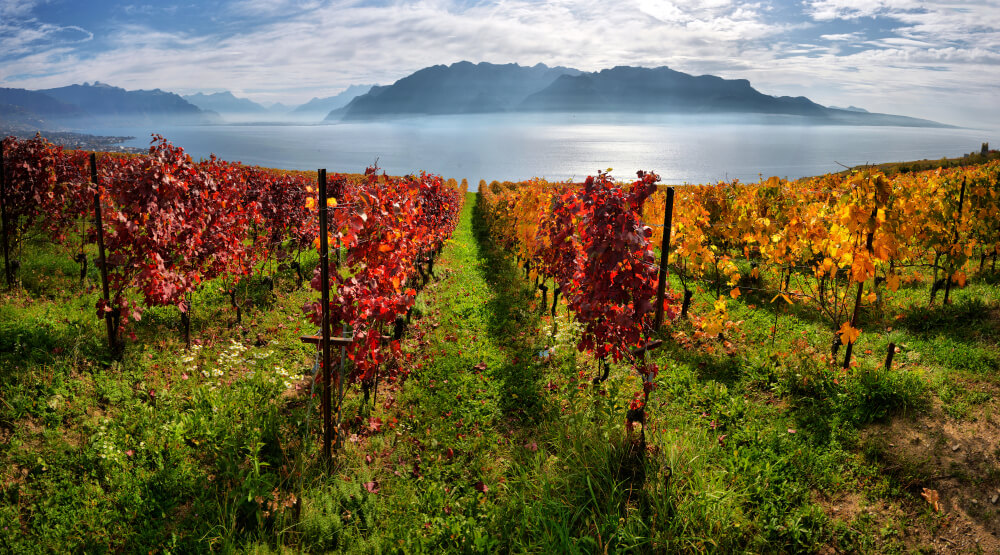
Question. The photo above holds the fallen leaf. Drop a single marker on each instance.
(932, 497)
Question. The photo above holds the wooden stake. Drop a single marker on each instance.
(324, 262)
(661, 285)
(186, 321)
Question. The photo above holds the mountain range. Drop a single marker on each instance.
(466, 88)
(236, 109)
(320, 107)
(78, 106)
(225, 102)
(459, 88)
(99, 104)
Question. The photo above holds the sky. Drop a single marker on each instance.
(938, 59)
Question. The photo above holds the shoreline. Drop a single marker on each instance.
(73, 140)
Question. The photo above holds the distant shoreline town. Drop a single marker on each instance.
(73, 140)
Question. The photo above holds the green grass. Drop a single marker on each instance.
(486, 446)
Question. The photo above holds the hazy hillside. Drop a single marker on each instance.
(35, 104)
(466, 88)
(461, 88)
(117, 105)
(638, 89)
(322, 106)
(225, 103)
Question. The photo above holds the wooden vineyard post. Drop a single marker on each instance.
(661, 285)
(951, 267)
(889, 355)
(3, 220)
(186, 321)
(109, 319)
(324, 261)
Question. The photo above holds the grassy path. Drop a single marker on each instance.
(491, 447)
(460, 423)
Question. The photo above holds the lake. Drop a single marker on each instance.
(558, 147)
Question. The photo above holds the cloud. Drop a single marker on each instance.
(927, 23)
(841, 37)
(835, 51)
(336, 44)
(16, 40)
(272, 7)
(929, 57)
(855, 9)
(16, 8)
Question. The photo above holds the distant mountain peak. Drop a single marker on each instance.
(222, 94)
(111, 104)
(225, 102)
(850, 109)
(460, 88)
(321, 106)
(467, 88)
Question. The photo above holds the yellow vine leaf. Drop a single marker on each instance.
(892, 282)
(848, 334)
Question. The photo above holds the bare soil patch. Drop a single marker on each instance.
(960, 461)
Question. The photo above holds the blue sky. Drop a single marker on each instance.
(938, 58)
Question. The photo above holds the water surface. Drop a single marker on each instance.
(558, 147)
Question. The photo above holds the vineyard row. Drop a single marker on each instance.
(839, 243)
(169, 224)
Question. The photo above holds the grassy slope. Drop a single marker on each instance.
(972, 158)
(485, 446)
